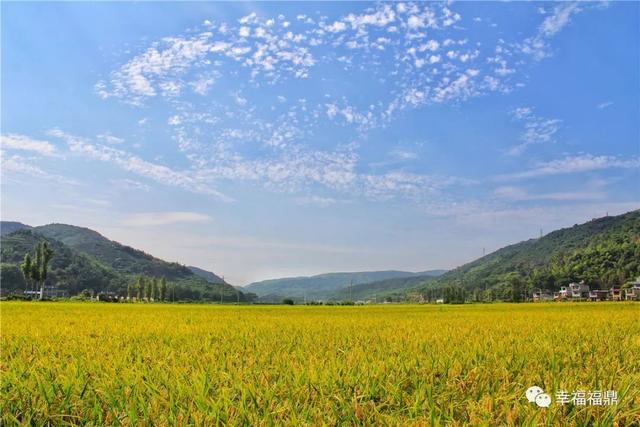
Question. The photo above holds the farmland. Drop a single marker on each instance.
(164, 364)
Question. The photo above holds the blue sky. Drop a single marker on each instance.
(262, 140)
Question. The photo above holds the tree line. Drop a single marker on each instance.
(148, 289)
(34, 268)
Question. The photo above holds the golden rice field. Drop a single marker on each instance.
(204, 365)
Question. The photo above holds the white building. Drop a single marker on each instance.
(575, 291)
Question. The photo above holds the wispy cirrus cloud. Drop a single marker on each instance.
(151, 219)
(131, 163)
(129, 184)
(110, 139)
(520, 194)
(573, 164)
(559, 18)
(319, 201)
(19, 165)
(538, 45)
(537, 130)
(15, 141)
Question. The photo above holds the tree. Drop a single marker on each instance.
(147, 292)
(35, 268)
(515, 284)
(26, 270)
(38, 269)
(477, 294)
(154, 289)
(163, 289)
(140, 288)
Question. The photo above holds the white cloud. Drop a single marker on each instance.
(431, 45)
(129, 162)
(401, 184)
(559, 18)
(537, 130)
(174, 120)
(548, 217)
(574, 164)
(146, 219)
(383, 16)
(239, 99)
(520, 194)
(604, 105)
(129, 184)
(154, 69)
(110, 139)
(19, 165)
(264, 50)
(322, 202)
(403, 154)
(202, 85)
(537, 46)
(386, 43)
(24, 143)
(336, 27)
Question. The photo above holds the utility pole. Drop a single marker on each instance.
(484, 252)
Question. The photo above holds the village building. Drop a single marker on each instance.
(575, 291)
(615, 294)
(49, 292)
(633, 293)
(542, 295)
(598, 295)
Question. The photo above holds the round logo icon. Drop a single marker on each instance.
(543, 400)
(532, 392)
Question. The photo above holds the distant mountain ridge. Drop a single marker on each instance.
(7, 227)
(324, 286)
(382, 289)
(206, 275)
(84, 259)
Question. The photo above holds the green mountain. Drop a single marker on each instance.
(322, 286)
(381, 289)
(603, 252)
(206, 275)
(124, 259)
(69, 269)
(84, 259)
(7, 227)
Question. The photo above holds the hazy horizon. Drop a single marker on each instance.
(268, 140)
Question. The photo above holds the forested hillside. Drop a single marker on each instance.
(84, 259)
(7, 227)
(602, 252)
